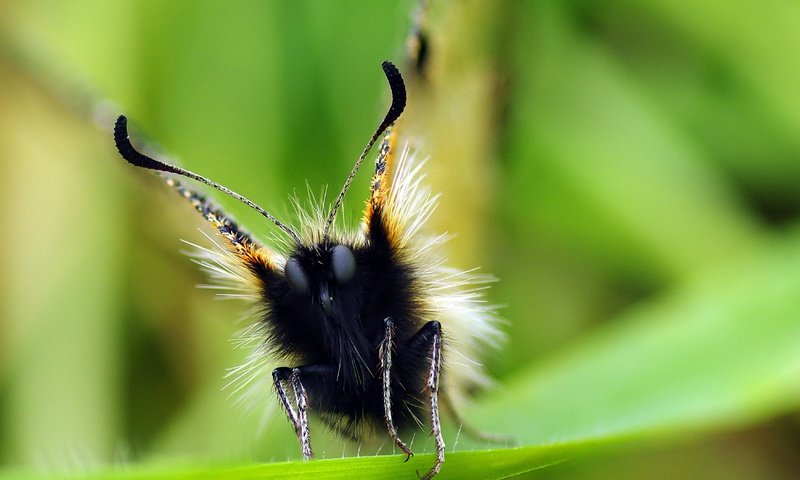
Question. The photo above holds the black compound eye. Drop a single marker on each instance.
(296, 276)
(343, 264)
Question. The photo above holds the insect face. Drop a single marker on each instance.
(325, 266)
(329, 307)
(320, 297)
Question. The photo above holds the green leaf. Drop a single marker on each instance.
(721, 351)
(494, 464)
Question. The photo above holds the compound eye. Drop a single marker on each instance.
(343, 264)
(296, 276)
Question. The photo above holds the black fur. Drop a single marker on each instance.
(337, 351)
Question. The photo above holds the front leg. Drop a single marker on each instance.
(299, 417)
(385, 352)
(429, 340)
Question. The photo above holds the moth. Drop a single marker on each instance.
(370, 328)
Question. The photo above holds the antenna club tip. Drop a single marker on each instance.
(393, 75)
(398, 87)
(121, 130)
(121, 137)
(388, 66)
(130, 154)
(121, 125)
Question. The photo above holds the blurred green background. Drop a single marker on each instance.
(629, 172)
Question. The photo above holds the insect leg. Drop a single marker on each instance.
(280, 375)
(385, 352)
(302, 413)
(299, 417)
(309, 378)
(430, 335)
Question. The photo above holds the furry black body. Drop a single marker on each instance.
(335, 332)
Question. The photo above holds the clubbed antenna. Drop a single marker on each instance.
(398, 88)
(134, 157)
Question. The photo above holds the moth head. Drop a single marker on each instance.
(322, 275)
